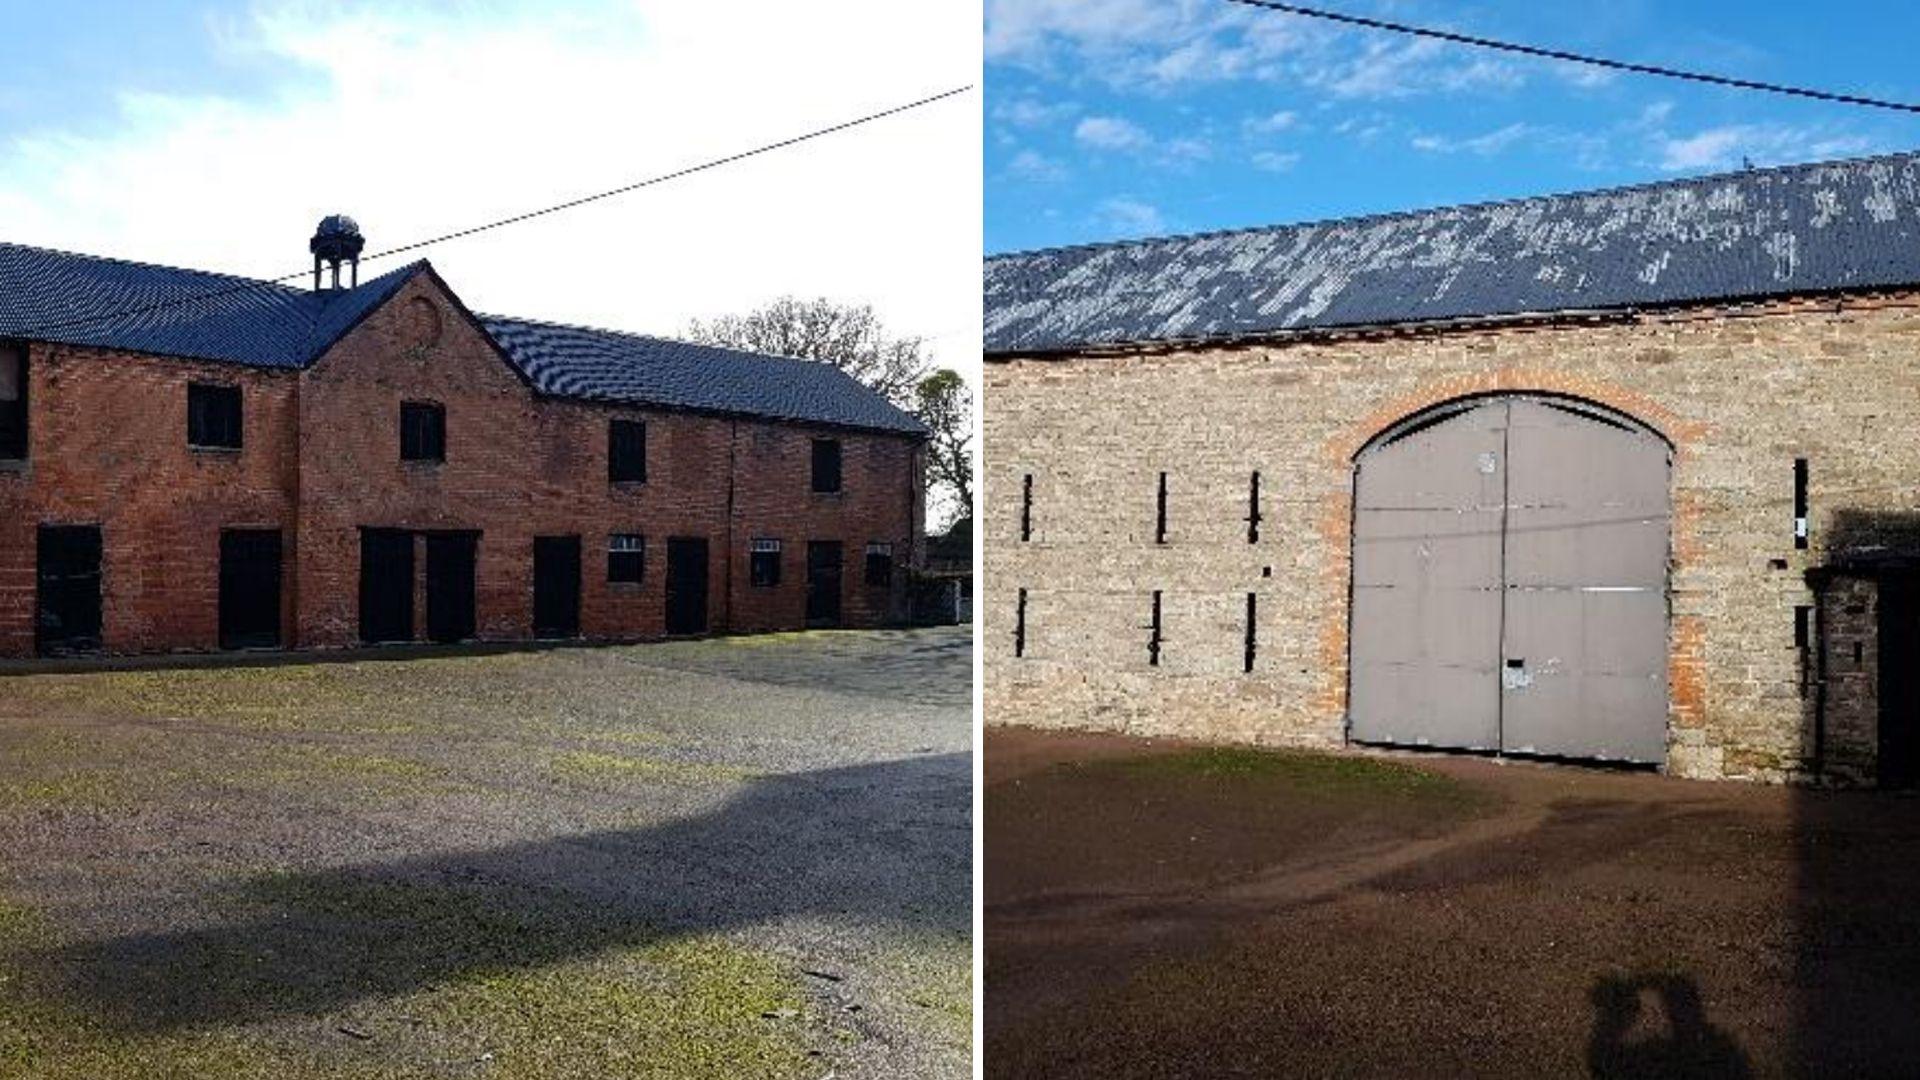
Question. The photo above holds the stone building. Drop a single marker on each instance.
(192, 461)
(1627, 475)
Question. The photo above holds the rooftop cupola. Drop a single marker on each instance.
(336, 241)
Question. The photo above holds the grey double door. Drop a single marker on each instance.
(1510, 563)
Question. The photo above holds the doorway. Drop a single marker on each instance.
(250, 588)
(386, 585)
(556, 587)
(823, 583)
(67, 590)
(1899, 660)
(686, 585)
(450, 606)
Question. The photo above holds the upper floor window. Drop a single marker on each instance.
(423, 431)
(213, 416)
(763, 562)
(626, 557)
(826, 464)
(879, 564)
(13, 401)
(626, 451)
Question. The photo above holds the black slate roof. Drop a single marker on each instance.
(1756, 233)
(74, 299)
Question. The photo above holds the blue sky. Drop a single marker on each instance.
(1109, 119)
(216, 133)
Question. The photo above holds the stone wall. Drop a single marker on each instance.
(1739, 392)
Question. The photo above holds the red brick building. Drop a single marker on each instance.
(190, 461)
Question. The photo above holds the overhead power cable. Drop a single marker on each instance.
(1580, 58)
(651, 181)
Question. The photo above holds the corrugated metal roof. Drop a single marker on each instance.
(1760, 232)
(138, 307)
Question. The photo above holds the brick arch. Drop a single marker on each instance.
(1678, 431)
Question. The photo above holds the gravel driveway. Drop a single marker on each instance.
(1157, 909)
(739, 857)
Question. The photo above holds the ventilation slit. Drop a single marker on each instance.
(1153, 641)
(1800, 503)
(1020, 626)
(1252, 608)
(1253, 509)
(1160, 524)
(1026, 508)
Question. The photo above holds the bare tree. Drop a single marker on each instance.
(945, 404)
(850, 337)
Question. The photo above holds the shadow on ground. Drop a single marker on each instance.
(848, 841)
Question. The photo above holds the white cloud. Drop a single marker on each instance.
(1731, 145)
(417, 122)
(1275, 161)
(1034, 166)
(1273, 124)
(1032, 113)
(1490, 143)
(1111, 133)
(1127, 217)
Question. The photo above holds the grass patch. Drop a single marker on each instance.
(592, 767)
(1306, 771)
(67, 790)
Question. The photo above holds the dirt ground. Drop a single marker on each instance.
(1157, 909)
(739, 857)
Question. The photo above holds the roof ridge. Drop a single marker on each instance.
(121, 261)
(1484, 204)
(663, 338)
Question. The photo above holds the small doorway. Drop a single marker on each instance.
(823, 583)
(386, 585)
(67, 593)
(450, 608)
(250, 588)
(1899, 743)
(686, 585)
(556, 586)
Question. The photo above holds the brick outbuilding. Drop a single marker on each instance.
(191, 461)
(1626, 475)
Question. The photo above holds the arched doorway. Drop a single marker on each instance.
(1510, 559)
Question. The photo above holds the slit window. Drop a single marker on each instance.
(213, 416)
(763, 563)
(1800, 503)
(1026, 507)
(1160, 514)
(1253, 601)
(1253, 509)
(879, 564)
(1153, 639)
(626, 452)
(826, 465)
(423, 431)
(626, 557)
(1020, 626)
(13, 401)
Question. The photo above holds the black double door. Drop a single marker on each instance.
(556, 586)
(250, 562)
(686, 585)
(386, 585)
(450, 608)
(824, 562)
(67, 589)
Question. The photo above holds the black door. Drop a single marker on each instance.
(250, 588)
(556, 586)
(68, 589)
(823, 583)
(686, 585)
(1899, 681)
(386, 585)
(450, 585)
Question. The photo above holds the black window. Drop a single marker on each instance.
(626, 557)
(626, 451)
(826, 464)
(879, 564)
(213, 416)
(423, 431)
(763, 563)
(13, 402)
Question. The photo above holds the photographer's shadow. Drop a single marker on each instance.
(1691, 1047)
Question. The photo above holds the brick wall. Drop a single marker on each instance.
(1740, 393)
(322, 459)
